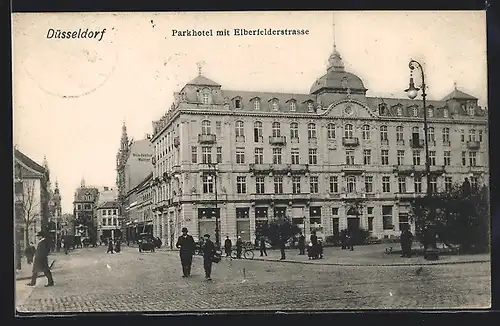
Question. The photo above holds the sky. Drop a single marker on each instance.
(71, 96)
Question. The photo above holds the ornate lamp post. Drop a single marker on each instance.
(217, 214)
(429, 233)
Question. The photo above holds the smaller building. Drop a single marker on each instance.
(138, 214)
(84, 205)
(109, 220)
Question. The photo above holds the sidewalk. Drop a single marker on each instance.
(369, 255)
(55, 258)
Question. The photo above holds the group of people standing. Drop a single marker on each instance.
(187, 248)
(114, 246)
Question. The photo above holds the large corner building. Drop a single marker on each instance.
(311, 157)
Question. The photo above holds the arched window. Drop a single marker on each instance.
(351, 184)
(383, 133)
(293, 106)
(276, 129)
(256, 104)
(257, 131)
(275, 105)
(430, 112)
(294, 130)
(331, 131)
(237, 104)
(239, 129)
(310, 107)
(415, 130)
(311, 130)
(206, 127)
(348, 133)
(206, 96)
(366, 132)
(399, 133)
(470, 109)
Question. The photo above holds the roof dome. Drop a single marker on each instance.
(337, 78)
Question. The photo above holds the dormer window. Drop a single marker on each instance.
(445, 113)
(399, 111)
(415, 111)
(275, 105)
(430, 112)
(205, 96)
(256, 104)
(237, 104)
(293, 106)
(310, 107)
(381, 108)
(470, 109)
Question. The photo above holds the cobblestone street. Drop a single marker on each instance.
(90, 280)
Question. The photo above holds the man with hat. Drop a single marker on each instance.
(187, 247)
(41, 262)
(208, 256)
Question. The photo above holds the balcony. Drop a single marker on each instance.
(277, 140)
(289, 198)
(416, 143)
(260, 168)
(351, 142)
(437, 169)
(473, 145)
(405, 195)
(299, 168)
(207, 139)
(353, 169)
(177, 141)
(408, 169)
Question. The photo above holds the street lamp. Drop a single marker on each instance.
(412, 92)
(209, 177)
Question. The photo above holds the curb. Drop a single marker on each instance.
(375, 265)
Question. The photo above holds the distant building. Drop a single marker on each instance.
(108, 220)
(137, 210)
(107, 194)
(84, 205)
(31, 195)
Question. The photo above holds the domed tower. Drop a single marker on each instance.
(337, 83)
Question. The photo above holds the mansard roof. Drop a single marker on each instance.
(203, 81)
(458, 95)
(247, 98)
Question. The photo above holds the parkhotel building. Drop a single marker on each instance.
(308, 156)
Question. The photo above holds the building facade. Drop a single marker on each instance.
(329, 159)
(138, 210)
(108, 220)
(84, 206)
(31, 198)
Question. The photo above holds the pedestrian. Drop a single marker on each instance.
(29, 252)
(118, 246)
(187, 247)
(41, 262)
(406, 243)
(282, 247)
(208, 256)
(302, 244)
(343, 239)
(350, 241)
(320, 249)
(65, 246)
(262, 246)
(110, 246)
(239, 247)
(228, 246)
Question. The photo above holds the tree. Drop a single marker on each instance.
(461, 216)
(278, 229)
(27, 205)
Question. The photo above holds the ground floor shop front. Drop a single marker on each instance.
(383, 219)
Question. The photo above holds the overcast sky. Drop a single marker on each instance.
(71, 96)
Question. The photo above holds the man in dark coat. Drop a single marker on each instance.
(30, 253)
(227, 246)
(110, 246)
(262, 246)
(41, 263)
(118, 246)
(187, 248)
(208, 256)
(239, 247)
(302, 244)
(406, 242)
(282, 243)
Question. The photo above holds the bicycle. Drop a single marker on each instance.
(246, 253)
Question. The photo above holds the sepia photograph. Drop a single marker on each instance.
(178, 162)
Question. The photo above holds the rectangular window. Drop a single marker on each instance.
(349, 157)
(387, 217)
(403, 221)
(447, 158)
(314, 185)
(417, 183)
(242, 213)
(335, 211)
(416, 157)
(208, 184)
(241, 185)
(473, 182)
(369, 210)
(386, 184)
(240, 156)
(446, 135)
(402, 184)
(259, 156)
(480, 135)
(368, 184)
(472, 159)
(294, 131)
(259, 185)
(278, 185)
(432, 157)
(462, 135)
(194, 154)
(367, 156)
(313, 156)
(401, 156)
(295, 156)
(334, 184)
(385, 156)
(433, 184)
(370, 223)
(448, 183)
(276, 155)
(104, 222)
(206, 155)
(219, 154)
(296, 185)
(464, 158)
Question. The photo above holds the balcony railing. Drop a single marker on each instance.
(408, 169)
(353, 168)
(207, 139)
(277, 140)
(416, 143)
(177, 141)
(354, 141)
(260, 168)
(474, 144)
